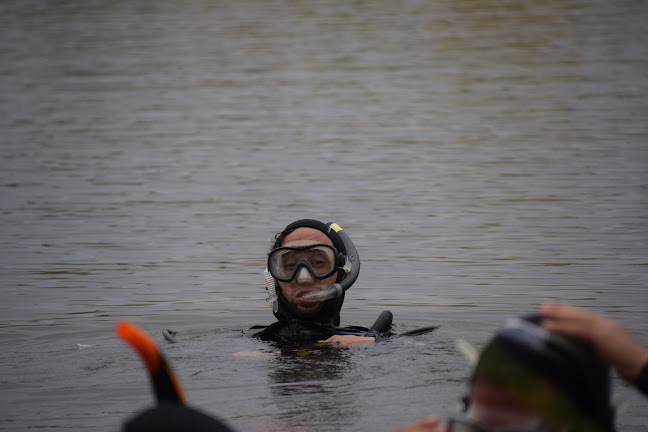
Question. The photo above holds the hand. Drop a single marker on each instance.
(430, 424)
(348, 340)
(612, 340)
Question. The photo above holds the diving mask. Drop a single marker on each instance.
(320, 259)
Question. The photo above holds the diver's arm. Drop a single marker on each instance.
(381, 325)
(613, 341)
(349, 340)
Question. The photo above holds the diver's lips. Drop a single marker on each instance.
(302, 301)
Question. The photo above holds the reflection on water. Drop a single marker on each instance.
(483, 156)
(311, 379)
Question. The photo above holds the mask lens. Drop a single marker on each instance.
(319, 259)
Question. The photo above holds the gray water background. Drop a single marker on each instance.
(484, 157)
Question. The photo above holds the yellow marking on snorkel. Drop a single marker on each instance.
(335, 227)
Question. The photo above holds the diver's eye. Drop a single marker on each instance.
(319, 263)
(289, 266)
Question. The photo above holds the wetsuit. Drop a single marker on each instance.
(291, 328)
(305, 331)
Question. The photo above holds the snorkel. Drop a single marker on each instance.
(351, 267)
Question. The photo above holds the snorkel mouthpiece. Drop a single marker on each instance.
(333, 291)
(351, 268)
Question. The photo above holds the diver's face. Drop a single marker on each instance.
(494, 406)
(304, 281)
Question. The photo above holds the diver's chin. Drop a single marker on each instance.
(307, 313)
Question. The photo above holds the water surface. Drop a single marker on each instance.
(483, 156)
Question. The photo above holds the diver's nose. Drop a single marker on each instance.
(304, 276)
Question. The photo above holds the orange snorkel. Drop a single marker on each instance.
(166, 386)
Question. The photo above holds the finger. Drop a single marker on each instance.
(566, 312)
(570, 320)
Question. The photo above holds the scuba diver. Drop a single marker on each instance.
(310, 266)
